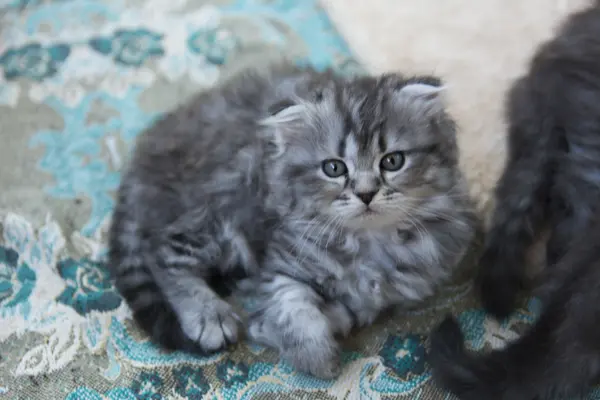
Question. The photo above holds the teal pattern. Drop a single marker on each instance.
(232, 374)
(404, 354)
(72, 153)
(79, 81)
(130, 47)
(33, 61)
(88, 287)
(214, 44)
(191, 383)
(16, 280)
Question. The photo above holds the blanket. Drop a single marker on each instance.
(79, 80)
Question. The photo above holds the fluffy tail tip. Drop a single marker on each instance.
(449, 360)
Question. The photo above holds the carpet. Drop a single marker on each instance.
(79, 80)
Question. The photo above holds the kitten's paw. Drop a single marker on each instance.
(498, 285)
(320, 359)
(309, 346)
(213, 327)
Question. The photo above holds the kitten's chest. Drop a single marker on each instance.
(375, 256)
(383, 271)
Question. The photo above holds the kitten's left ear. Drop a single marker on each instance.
(426, 97)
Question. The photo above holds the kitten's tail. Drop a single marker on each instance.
(528, 368)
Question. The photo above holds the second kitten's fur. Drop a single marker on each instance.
(552, 179)
(331, 199)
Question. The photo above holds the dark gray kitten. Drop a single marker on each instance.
(552, 179)
(328, 199)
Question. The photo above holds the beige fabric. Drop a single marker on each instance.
(477, 46)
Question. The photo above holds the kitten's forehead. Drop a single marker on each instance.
(363, 118)
(362, 106)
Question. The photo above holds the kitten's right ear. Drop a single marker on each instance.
(286, 119)
(279, 106)
(285, 115)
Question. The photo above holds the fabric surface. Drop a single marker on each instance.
(79, 80)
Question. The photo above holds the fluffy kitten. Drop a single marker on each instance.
(329, 199)
(552, 178)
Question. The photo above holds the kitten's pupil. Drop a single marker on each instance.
(334, 168)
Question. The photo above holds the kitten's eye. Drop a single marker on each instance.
(334, 168)
(392, 161)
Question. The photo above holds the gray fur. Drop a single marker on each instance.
(230, 189)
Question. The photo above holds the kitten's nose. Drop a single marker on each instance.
(366, 197)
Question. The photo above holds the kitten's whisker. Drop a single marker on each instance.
(321, 236)
(334, 231)
(412, 219)
(301, 244)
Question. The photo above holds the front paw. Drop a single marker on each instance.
(308, 346)
(213, 327)
(499, 283)
(320, 359)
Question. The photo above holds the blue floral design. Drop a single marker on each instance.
(147, 386)
(190, 382)
(130, 47)
(33, 61)
(16, 281)
(88, 286)
(72, 155)
(231, 373)
(473, 322)
(215, 44)
(405, 354)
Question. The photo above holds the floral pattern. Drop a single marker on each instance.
(147, 386)
(214, 44)
(191, 383)
(404, 354)
(33, 61)
(88, 77)
(88, 286)
(130, 47)
(231, 373)
(16, 281)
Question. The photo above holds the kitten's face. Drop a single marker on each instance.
(369, 155)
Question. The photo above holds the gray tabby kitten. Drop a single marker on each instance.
(326, 199)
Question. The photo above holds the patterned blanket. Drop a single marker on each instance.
(79, 79)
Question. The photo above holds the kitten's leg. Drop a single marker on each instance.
(341, 318)
(163, 285)
(572, 215)
(289, 319)
(204, 317)
(521, 206)
(560, 240)
(515, 223)
(559, 357)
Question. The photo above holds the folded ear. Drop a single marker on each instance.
(425, 97)
(286, 120)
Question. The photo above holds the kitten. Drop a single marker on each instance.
(325, 199)
(552, 178)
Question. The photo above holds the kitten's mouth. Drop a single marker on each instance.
(368, 211)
